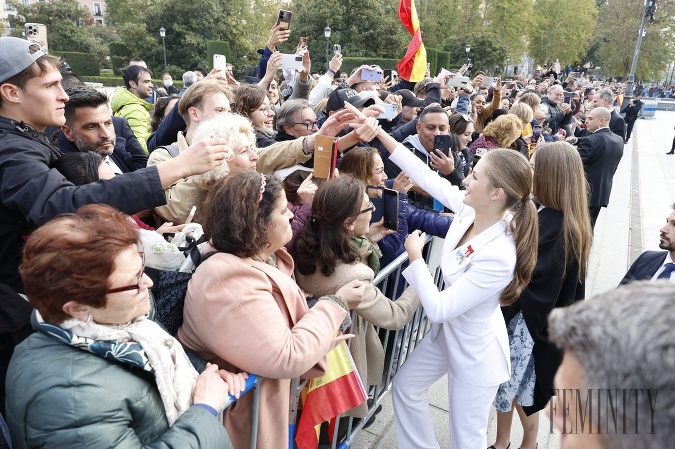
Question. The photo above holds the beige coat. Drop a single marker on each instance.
(245, 315)
(188, 192)
(376, 309)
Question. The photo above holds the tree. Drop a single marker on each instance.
(616, 37)
(487, 52)
(563, 30)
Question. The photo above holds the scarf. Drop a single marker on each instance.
(141, 343)
(369, 252)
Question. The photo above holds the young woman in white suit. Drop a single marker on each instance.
(488, 258)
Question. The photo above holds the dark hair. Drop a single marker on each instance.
(234, 220)
(431, 110)
(458, 123)
(79, 168)
(82, 97)
(72, 257)
(292, 183)
(201, 70)
(324, 240)
(359, 163)
(35, 70)
(69, 80)
(132, 72)
(160, 108)
(248, 98)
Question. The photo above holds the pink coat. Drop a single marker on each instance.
(245, 315)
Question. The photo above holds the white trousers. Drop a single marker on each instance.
(469, 404)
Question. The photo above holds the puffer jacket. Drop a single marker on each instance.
(62, 396)
(136, 111)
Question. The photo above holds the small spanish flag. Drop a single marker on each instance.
(328, 396)
(413, 66)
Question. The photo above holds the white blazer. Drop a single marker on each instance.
(467, 311)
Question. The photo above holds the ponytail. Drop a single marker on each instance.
(525, 230)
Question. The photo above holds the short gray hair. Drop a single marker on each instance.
(624, 339)
(189, 78)
(607, 94)
(288, 110)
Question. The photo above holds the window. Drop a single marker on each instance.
(9, 7)
(97, 9)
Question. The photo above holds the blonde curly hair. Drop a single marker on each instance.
(505, 129)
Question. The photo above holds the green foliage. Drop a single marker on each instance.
(487, 52)
(80, 63)
(218, 48)
(119, 56)
(117, 81)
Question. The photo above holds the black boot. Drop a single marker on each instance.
(672, 151)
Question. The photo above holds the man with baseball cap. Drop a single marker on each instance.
(337, 99)
(32, 193)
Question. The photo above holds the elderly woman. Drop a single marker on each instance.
(98, 372)
(244, 310)
(501, 133)
(333, 250)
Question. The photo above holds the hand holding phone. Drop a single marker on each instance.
(337, 49)
(285, 18)
(219, 62)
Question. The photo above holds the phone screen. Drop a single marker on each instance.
(337, 49)
(375, 193)
(390, 211)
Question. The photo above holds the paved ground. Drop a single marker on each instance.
(643, 192)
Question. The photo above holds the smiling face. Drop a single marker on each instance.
(262, 116)
(92, 130)
(245, 156)
(479, 190)
(479, 103)
(142, 87)
(361, 224)
(122, 307)
(273, 92)
(302, 119)
(430, 125)
(378, 176)
(465, 137)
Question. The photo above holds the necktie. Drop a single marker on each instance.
(665, 274)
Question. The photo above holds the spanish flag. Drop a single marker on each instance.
(328, 396)
(413, 66)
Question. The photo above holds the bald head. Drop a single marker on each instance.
(598, 118)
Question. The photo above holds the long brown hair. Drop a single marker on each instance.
(560, 184)
(511, 171)
(359, 162)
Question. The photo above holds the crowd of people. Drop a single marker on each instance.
(511, 173)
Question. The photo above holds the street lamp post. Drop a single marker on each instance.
(326, 33)
(467, 49)
(162, 32)
(649, 9)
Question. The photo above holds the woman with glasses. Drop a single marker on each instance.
(333, 250)
(244, 310)
(97, 372)
(253, 103)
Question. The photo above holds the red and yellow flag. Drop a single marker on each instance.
(413, 66)
(328, 396)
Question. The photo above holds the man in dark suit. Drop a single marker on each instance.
(652, 265)
(605, 98)
(632, 110)
(600, 152)
(90, 127)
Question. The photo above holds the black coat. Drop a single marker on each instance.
(617, 124)
(600, 152)
(548, 289)
(644, 267)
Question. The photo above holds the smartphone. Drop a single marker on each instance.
(37, 34)
(371, 75)
(325, 156)
(489, 81)
(390, 209)
(536, 133)
(219, 62)
(376, 194)
(568, 97)
(458, 81)
(285, 18)
(291, 62)
(390, 111)
(386, 74)
(302, 42)
(337, 49)
(442, 142)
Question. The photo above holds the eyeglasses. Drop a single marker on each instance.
(139, 281)
(309, 125)
(370, 208)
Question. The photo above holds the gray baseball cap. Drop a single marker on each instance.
(15, 56)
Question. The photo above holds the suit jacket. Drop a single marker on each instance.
(645, 266)
(475, 275)
(617, 124)
(128, 154)
(600, 152)
(245, 315)
(551, 286)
